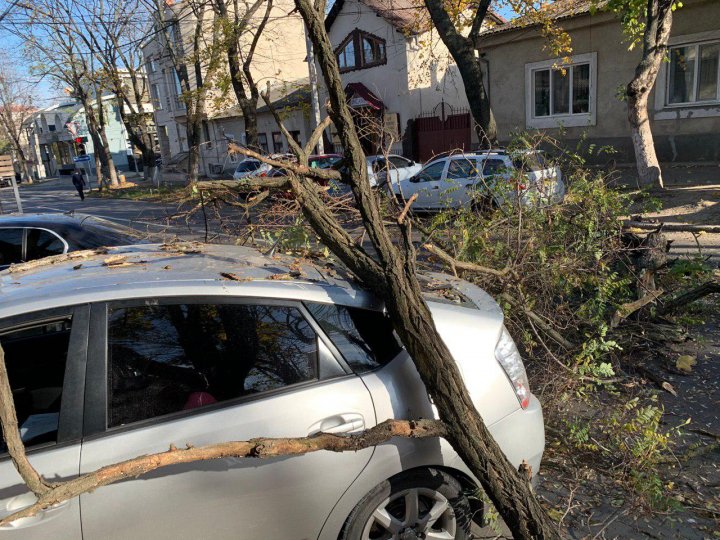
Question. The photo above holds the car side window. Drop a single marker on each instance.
(432, 172)
(398, 162)
(169, 358)
(364, 337)
(492, 167)
(462, 168)
(41, 243)
(35, 357)
(11, 246)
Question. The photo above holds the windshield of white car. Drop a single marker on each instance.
(248, 166)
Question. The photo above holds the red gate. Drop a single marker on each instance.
(443, 130)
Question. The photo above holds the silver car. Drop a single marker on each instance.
(109, 360)
(480, 178)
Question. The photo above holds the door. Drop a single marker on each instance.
(183, 372)
(460, 182)
(45, 359)
(427, 184)
(497, 177)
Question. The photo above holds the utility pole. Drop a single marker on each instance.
(314, 99)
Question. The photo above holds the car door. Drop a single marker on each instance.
(400, 168)
(45, 357)
(427, 184)
(461, 181)
(41, 243)
(207, 371)
(497, 177)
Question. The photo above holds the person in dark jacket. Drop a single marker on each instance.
(79, 183)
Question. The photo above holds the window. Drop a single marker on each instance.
(561, 95)
(51, 127)
(365, 338)
(150, 66)
(35, 357)
(263, 142)
(398, 162)
(296, 136)
(206, 133)
(41, 243)
(156, 96)
(491, 167)
(361, 50)
(248, 165)
(11, 241)
(432, 172)
(278, 146)
(693, 73)
(170, 358)
(461, 168)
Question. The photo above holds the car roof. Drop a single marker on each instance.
(42, 220)
(194, 269)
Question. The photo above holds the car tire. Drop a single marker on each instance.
(421, 501)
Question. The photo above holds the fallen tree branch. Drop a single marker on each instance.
(245, 184)
(672, 227)
(462, 265)
(55, 259)
(625, 310)
(406, 209)
(11, 434)
(710, 287)
(254, 448)
(297, 168)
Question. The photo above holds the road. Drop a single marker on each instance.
(60, 196)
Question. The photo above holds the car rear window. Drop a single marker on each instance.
(364, 337)
(248, 166)
(529, 161)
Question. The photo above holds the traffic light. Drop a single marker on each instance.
(80, 146)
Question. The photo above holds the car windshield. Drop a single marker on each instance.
(248, 166)
(529, 161)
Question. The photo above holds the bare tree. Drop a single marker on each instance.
(241, 41)
(55, 48)
(16, 106)
(196, 61)
(111, 31)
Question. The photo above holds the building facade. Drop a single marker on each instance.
(280, 60)
(583, 104)
(404, 88)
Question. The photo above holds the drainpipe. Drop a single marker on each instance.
(486, 62)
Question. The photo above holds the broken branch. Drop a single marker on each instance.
(462, 265)
(254, 448)
(625, 310)
(406, 209)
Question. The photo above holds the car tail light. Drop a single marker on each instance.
(508, 355)
(263, 174)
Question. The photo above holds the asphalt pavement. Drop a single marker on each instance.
(59, 195)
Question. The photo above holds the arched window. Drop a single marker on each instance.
(360, 50)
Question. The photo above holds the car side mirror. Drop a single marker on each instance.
(414, 179)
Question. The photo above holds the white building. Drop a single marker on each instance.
(399, 75)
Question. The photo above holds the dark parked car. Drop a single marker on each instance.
(25, 237)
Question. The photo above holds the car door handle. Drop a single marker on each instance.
(436, 187)
(339, 423)
(23, 501)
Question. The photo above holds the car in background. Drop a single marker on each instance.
(478, 179)
(391, 168)
(110, 363)
(250, 168)
(25, 237)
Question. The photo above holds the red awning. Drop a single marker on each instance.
(359, 96)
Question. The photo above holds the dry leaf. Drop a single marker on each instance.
(685, 363)
(234, 277)
(669, 387)
(115, 260)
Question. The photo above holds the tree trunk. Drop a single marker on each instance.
(193, 128)
(648, 167)
(394, 280)
(658, 23)
(249, 109)
(462, 49)
(136, 125)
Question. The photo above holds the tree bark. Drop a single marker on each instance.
(658, 23)
(393, 279)
(462, 49)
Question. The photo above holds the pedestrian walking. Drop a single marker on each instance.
(79, 183)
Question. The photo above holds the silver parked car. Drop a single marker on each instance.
(218, 343)
(392, 168)
(480, 178)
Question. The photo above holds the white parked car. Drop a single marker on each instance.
(393, 168)
(481, 178)
(249, 168)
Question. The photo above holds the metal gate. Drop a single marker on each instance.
(443, 129)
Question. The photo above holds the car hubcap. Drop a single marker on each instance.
(411, 514)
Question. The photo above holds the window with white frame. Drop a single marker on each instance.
(561, 94)
(693, 73)
(156, 96)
